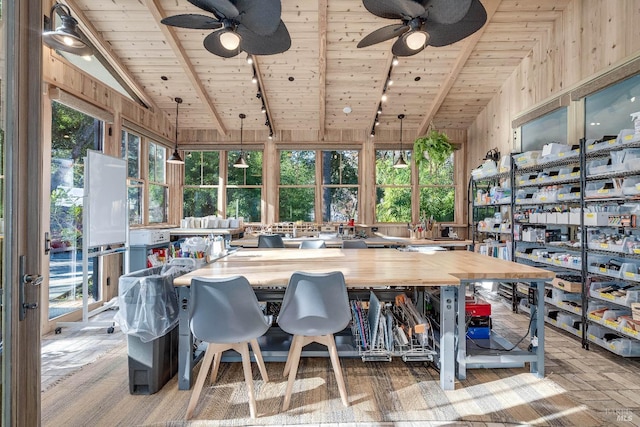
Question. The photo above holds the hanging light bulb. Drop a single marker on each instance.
(175, 157)
(241, 162)
(400, 163)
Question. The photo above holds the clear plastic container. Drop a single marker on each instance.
(631, 186)
(568, 193)
(630, 271)
(603, 189)
(527, 159)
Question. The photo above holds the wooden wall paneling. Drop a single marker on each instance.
(271, 179)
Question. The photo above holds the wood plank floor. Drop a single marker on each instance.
(609, 386)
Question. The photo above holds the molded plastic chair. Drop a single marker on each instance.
(314, 307)
(225, 314)
(270, 241)
(354, 244)
(312, 244)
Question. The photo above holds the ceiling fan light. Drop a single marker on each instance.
(229, 40)
(416, 40)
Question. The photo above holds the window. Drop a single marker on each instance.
(72, 134)
(296, 192)
(393, 189)
(201, 179)
(158, 189)
(339, 185)
(437, 192)
(130, 149)
(551, 127)
(244, 186)
(607, 111)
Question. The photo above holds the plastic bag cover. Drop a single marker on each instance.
(148, 302)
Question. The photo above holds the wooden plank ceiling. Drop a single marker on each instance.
(308, 86)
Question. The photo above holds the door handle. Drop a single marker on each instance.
(33, 279)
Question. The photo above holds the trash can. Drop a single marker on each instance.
(148, 314)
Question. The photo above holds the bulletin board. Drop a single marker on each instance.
(105, 199)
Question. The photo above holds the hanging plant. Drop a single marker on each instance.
(432, 149)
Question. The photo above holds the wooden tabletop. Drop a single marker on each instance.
(365, 267)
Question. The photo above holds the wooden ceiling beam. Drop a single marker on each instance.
(322, 67)
(263, 90)
(107, 53)
(469, 44)
(170, 35)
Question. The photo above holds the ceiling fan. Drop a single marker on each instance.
(252, 26)
(424, 22)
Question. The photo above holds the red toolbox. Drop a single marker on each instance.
(476, 307)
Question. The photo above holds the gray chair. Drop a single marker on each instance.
(225, 314)
(354, 244)
(315, 306)
(312, 244)
(270, 241)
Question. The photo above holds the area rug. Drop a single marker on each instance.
(380, 393)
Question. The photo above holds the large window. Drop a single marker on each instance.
(437, 192)
(339, 185)
(551, 127)
(296, 192)
(130, 149)
(201, 180)
(72, 134)
(244, 186)
(607, 111)
(158, 189)
(393, 188)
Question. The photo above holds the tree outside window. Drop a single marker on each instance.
(244, 186)
(296, 192)
(393, 189)
(201, 179)
(339, 185)
(437, 192)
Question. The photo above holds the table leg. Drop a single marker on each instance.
(447, 337)
(185, 340)
(537, 329)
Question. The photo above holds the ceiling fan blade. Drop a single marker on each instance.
(446, 34)
(400, 47)
(192, 20)
(383, 34)
(446, 11)
(213, 45)
(262, 17)
(257, 44)
(394, 9)
(220, 8)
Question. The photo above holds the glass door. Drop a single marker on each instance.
(72, 134)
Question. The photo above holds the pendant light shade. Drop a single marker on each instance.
(400, 163)
(175, 157)
(241, 162)
(65, 37)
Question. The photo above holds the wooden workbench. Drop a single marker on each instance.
(449, 270)
(379, 241)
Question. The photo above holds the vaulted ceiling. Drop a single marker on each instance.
(308, 87)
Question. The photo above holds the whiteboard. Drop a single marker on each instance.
(106, 198)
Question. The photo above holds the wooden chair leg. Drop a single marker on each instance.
(287, 364)
(216, 365)
(337, 369)
(259, 360)
(197, 388)
(243, 349)
(293, 360)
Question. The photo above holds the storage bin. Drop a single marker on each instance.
(569, 321)
(625, 136)
(602, 264)
(527, 159)
(558, 295)
(631, 186)
(524, 196)
(596, 218)
(594, 145)
(603, 189)
(568, 193)
(528, 179)
(571, 172)
(630, 271)
(571, 284)
(600, 167)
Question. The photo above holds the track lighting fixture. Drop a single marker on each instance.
(263, 109)
(241, 162)
(249, 59)
(254, 80)
(379, 109)
(259, 95)
(395, 61)
(175, 157)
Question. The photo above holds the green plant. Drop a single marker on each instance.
(432, 149)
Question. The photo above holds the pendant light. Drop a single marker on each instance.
(65, 37)
(175, 157)
(241, 162)
(400, 163)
